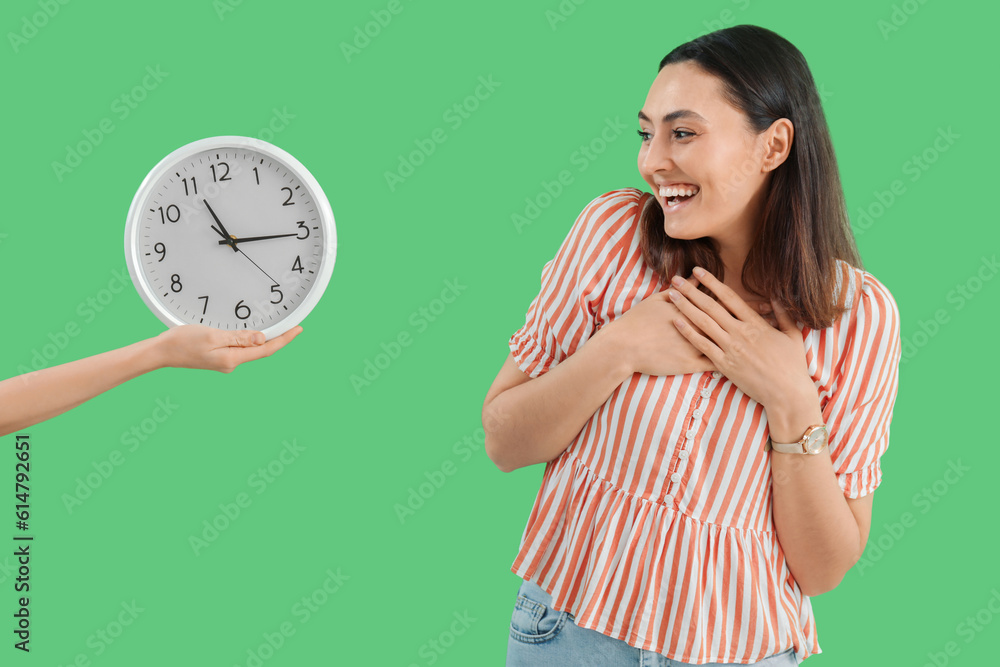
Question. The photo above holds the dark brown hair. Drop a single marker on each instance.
(804, 227)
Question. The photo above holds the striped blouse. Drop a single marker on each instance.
(654, 525)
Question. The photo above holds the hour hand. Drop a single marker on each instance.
(224, 233)
(247, 239)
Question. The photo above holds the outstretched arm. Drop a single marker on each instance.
(34, 397)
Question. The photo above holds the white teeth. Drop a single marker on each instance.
(675, 191)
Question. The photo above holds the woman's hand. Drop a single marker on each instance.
(197, 346)
(651, 344)
(766, 363)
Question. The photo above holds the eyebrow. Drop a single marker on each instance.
(676, 115)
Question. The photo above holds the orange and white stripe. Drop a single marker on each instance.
(654, 526)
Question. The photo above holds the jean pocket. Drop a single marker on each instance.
(534, 622)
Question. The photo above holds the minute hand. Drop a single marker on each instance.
(247, 239)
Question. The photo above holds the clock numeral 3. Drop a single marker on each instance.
(242, 307)
(175, 283)
(225, 175)
(172, 214)
(304, 228)
(288, 200)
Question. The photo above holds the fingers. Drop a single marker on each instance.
(730, 299)
(767, 312)
(268, 348)
(248, 338)
(785, 321)
(699, 308)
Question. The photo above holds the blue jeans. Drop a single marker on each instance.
(541, 637)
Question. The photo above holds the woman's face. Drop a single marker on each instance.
(696, 142)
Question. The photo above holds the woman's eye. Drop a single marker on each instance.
(643, 135)
(685, 133)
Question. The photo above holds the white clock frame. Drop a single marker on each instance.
(170, 162)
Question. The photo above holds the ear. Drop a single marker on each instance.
(777, 143)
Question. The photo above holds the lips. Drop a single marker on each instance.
(678, 193)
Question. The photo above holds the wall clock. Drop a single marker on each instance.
(233, 233)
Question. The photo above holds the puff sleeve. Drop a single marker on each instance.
(562, 316)
(861, 410)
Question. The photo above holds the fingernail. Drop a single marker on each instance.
(677, 280)
(698, 271)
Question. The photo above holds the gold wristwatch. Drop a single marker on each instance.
(812, 442)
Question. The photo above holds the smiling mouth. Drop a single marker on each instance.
(674, 195)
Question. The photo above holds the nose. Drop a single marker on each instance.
(659, 155)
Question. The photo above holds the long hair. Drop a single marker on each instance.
(804, 227)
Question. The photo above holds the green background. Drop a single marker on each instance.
(887, 96)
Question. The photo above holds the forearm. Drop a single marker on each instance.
(34, 397)
(536, 421)
(817, 530)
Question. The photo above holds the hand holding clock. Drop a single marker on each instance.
(34, 397)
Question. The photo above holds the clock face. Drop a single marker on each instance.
(232, 233)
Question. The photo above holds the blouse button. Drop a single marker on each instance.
(690, 434)
(706, 393)
(683, 454)
(668, 498)
(716, 375)
(676, 477)
(696, 413)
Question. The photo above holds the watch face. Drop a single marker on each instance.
(816, 440)
(232, 233)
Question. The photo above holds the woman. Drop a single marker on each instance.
(709, 374)
(28, 399)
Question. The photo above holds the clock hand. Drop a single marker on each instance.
(240, 250)
(230, 241)
(247, 239)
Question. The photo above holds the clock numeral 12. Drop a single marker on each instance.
(224, 177)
